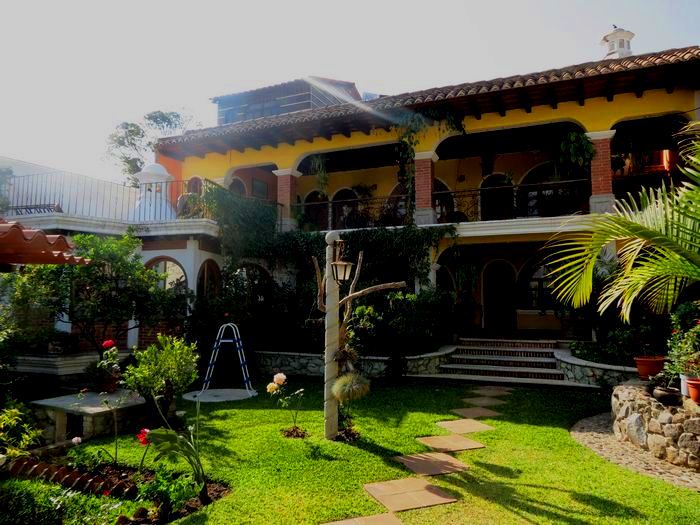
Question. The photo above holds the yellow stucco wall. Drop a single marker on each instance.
(596, 115)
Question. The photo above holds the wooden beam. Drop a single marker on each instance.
(525, 101)
(609, 91)
(553, 102)
(475, 110)
(580, 95)
(500, 106)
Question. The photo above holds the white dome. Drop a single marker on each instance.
(153, 173)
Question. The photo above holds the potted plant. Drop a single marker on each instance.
(693, 379)
(649, 365)
(661, 389)
(684, 343)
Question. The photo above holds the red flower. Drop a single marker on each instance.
(697, 322)
(226, 314)
(143, 437)
(108, 344)
(674, 331)
(105, 492)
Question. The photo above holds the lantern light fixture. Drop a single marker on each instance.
(342, 270)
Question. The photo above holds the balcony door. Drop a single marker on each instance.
(496, 197)
(499, 297)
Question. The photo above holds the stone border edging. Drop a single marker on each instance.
(591, 373)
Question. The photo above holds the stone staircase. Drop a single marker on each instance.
(505, 361)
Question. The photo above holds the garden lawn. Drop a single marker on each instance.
(530, 471)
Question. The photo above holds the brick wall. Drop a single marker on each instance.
(286, 193)
(601, 172)
(424, 179)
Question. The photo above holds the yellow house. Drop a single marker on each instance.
(501, 181)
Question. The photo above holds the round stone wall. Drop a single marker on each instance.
(667, 432)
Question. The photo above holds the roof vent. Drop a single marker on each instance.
(617, 43)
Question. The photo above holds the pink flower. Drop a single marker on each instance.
(279, 379)
(108, 344)
(76, 441)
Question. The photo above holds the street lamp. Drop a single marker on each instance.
(342, 270)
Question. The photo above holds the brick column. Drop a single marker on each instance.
(423, 180)
(286, 197)
(602, 196)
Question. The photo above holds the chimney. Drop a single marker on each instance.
(617, 43)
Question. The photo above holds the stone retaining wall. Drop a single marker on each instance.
(670, 433)
(372, 366)
(590, 373)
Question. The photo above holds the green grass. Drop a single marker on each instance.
(530, 471)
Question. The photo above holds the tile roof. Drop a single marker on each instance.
(406, 100)
(19, 245)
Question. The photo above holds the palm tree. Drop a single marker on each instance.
(657, 239)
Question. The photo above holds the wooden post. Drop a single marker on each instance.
(330, 404)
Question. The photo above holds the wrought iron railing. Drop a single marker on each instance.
(84, 197)
(352, 213)
(548, 199)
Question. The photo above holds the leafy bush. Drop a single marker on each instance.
(37, 503)
(17, 433)
(164, 369)
(684, 343)
(170, 491)
(619, 345)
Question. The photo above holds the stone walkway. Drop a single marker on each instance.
(417, 492)
(596, 433)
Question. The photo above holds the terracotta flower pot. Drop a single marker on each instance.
(694, 388)
(649, 365)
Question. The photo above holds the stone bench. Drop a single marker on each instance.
(95, 411)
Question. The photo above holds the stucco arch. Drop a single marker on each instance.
(494, 174)
(168, 259)
(532, 168)
(231, 172)
(678, 114)
(299, 159)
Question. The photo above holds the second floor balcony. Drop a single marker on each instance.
(503, 201)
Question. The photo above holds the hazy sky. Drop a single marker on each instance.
(70, 71)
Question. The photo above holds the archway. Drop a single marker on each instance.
(395, 208)
(209, 279)
(175, 276)
(316, 210)
(496, 197)
(499, 297)
(345, 210)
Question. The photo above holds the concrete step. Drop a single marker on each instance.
(511, 352)
(496, 380)
(509, 343)
(508, 361)
(503, 371)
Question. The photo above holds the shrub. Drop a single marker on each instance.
(170, 491)
(163, 369)
(17, 433)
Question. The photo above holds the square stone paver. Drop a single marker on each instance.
(408, 493)
(483, 401)
(451, 443)
(378, 519)
(475, 412)
(464, 426)
(492, 391)
(432, 463)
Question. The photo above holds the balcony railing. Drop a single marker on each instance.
(548, 199)
(84, 197)
(353, 213)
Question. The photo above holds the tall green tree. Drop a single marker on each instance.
(657, 239)
(132, 144)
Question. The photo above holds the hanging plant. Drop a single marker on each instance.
(575, 153)
(317, 167)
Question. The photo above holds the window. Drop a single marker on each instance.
(621, 44)
(611, 46)
(174, 274)
(260, 189)
(538, 294)
(237, 187)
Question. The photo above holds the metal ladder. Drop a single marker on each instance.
(236, 340)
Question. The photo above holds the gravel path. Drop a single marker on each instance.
(596, 433)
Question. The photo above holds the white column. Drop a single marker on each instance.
(330, 404)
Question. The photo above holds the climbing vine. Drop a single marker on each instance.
(317, 168)
(408, 128)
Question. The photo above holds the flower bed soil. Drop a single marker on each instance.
(116, 481)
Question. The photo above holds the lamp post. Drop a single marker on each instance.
(330, 373)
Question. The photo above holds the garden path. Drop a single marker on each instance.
(417, 492)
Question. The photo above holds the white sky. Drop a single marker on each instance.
(70, 71)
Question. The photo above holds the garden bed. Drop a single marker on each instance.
(116, 481)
